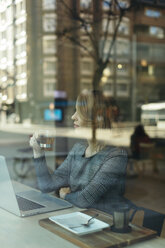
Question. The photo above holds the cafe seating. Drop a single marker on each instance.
(151, 219)
(147, 156)
(22, 162)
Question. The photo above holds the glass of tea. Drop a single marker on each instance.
(46, 140)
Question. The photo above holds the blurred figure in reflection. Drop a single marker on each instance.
(112, 111)
(139, 136)
(93, 174)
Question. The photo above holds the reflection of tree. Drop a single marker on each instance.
(89, 21)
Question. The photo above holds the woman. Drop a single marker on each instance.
(92, 175)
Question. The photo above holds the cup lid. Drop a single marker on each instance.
(120, 207)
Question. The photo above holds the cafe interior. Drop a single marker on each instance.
(79, 79)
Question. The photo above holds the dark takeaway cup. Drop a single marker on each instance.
(122, 218)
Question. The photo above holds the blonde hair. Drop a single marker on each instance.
(93, 108)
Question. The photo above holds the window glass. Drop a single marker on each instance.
(21, 89)
(85, 3)
(87, 66)
(9, 13)
(49, 87)
(49, 66)
(152, 13)
(49, 22)
(122, 89)
(123, 3)
(124, 27)
(49, 4)
(123, 46)
(53, 50)
(108, 26)
(157, 32)
(49, 44)
(108, 88)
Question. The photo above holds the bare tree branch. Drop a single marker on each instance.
(78, 43)
(84, 23)
(114, 14)
(114, 36)
(106, 30)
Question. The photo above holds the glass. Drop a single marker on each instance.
(122, 218)
(46, 140)
(37, 65)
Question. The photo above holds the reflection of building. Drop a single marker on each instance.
(37, 63)
(28, 63)
(119, 62)
(116, 78)
(136, 71)
(127, 78)
(149, 27)
(13, 54)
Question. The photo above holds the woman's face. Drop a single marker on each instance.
(78, 122)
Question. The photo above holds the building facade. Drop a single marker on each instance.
(35, 63)
(28, 62)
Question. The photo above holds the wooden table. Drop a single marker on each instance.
(18, 232)
(26, 232)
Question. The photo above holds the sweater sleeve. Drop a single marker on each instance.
(107, 178)
(48, 182)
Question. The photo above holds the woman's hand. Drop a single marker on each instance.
(64, 191)
(37, 151)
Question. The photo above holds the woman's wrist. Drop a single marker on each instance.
(64, 191)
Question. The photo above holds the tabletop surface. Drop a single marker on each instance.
(26, 232)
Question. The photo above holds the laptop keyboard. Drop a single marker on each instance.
(25, 204)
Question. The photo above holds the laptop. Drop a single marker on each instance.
(26, 203)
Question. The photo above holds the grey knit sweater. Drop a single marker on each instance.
(97, 181)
